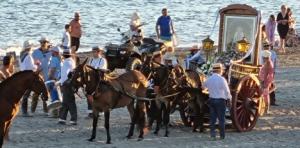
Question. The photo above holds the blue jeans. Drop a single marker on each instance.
(217, 109)
(53, 92)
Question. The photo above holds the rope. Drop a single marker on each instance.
(215, 24)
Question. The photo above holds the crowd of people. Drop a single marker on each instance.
(55, 64)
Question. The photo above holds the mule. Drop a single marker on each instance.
(113, 92)
(11, 91)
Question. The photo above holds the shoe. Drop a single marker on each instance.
(213, 138)
(222, 138)
(90, 115)
(73, 122)
(61, 121)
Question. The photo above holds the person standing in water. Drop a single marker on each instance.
(164, 26)
(76, 31)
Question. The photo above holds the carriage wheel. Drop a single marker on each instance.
(245, 104)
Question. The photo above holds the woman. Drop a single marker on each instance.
(291, 39)
(266, 76)
(282, 27)
(270, 30)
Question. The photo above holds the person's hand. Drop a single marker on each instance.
(37, 62)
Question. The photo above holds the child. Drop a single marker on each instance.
(270, 30)
(66, 40)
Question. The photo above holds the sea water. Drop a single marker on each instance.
(193, 19)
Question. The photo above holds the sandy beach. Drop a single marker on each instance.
(281, 128)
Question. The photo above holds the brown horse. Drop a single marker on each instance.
(11, 91)
(113, 92)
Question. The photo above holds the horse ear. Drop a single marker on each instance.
(84, 62)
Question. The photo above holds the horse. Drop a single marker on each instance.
(11, 91)
(193, 104)
(111, 93)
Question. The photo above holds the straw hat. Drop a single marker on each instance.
(217, 66)
(27, 44)
(266, 54)
(194, 48)
(97, 48)
(266, 43)
(44, 39)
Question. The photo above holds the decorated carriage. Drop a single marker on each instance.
(239, 50)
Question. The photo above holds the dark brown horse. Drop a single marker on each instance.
(113, 92)
(11, 91)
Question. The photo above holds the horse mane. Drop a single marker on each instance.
(4, 83)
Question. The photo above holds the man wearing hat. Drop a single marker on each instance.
(195, 56)
(54, 75)
(266, 76)
(219, 93)
(43, 56)
(98, 62)
(68, 103)
(27, 63)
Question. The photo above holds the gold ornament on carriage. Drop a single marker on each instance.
(208, 44)
(243, 45)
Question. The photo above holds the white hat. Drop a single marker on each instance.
(44, 39)
(55, 48)
(217, 66)
(27, 44)
(266, 53)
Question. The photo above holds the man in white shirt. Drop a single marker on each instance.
(68, 103)
(218, 94)
(27, 63)
(98, 62)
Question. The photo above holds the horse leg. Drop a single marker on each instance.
(166, 118)
(106, 124)
(158, 121)
(132, 113)
(95, 122)
(141, 117)
(6, 130)
(2, 128)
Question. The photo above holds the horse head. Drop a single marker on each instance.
(38, 86)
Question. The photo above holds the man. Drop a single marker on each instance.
(98, 62)
(27, 63)
(164, 26)
(68, 103)
(76, 31)
(195, 56)
(219, 93)
(42, 55)
(5, 71)
(54, 75)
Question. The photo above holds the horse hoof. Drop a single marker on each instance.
(155, 133)
(194, 130)
(128, 137)
(91, 139)
(140, 139)
(108, 142)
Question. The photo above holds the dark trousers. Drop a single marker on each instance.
(217, 109)
(34, 102)
(75, 42)
(272, 98)
(68, 104)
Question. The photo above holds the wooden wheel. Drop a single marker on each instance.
(245, 103)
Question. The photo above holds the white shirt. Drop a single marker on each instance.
(68, 66)
(98, 63)
(28, 63)
(66, 39)
(217, 87)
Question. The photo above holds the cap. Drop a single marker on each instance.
(55, 49)
(27, 44)
(44, 39)
(266, 54)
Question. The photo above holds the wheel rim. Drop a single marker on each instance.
(245, 104)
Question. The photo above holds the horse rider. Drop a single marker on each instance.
(5, 71)
(219, 93)
(27, 63)
(195, 56)
(98, 62)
